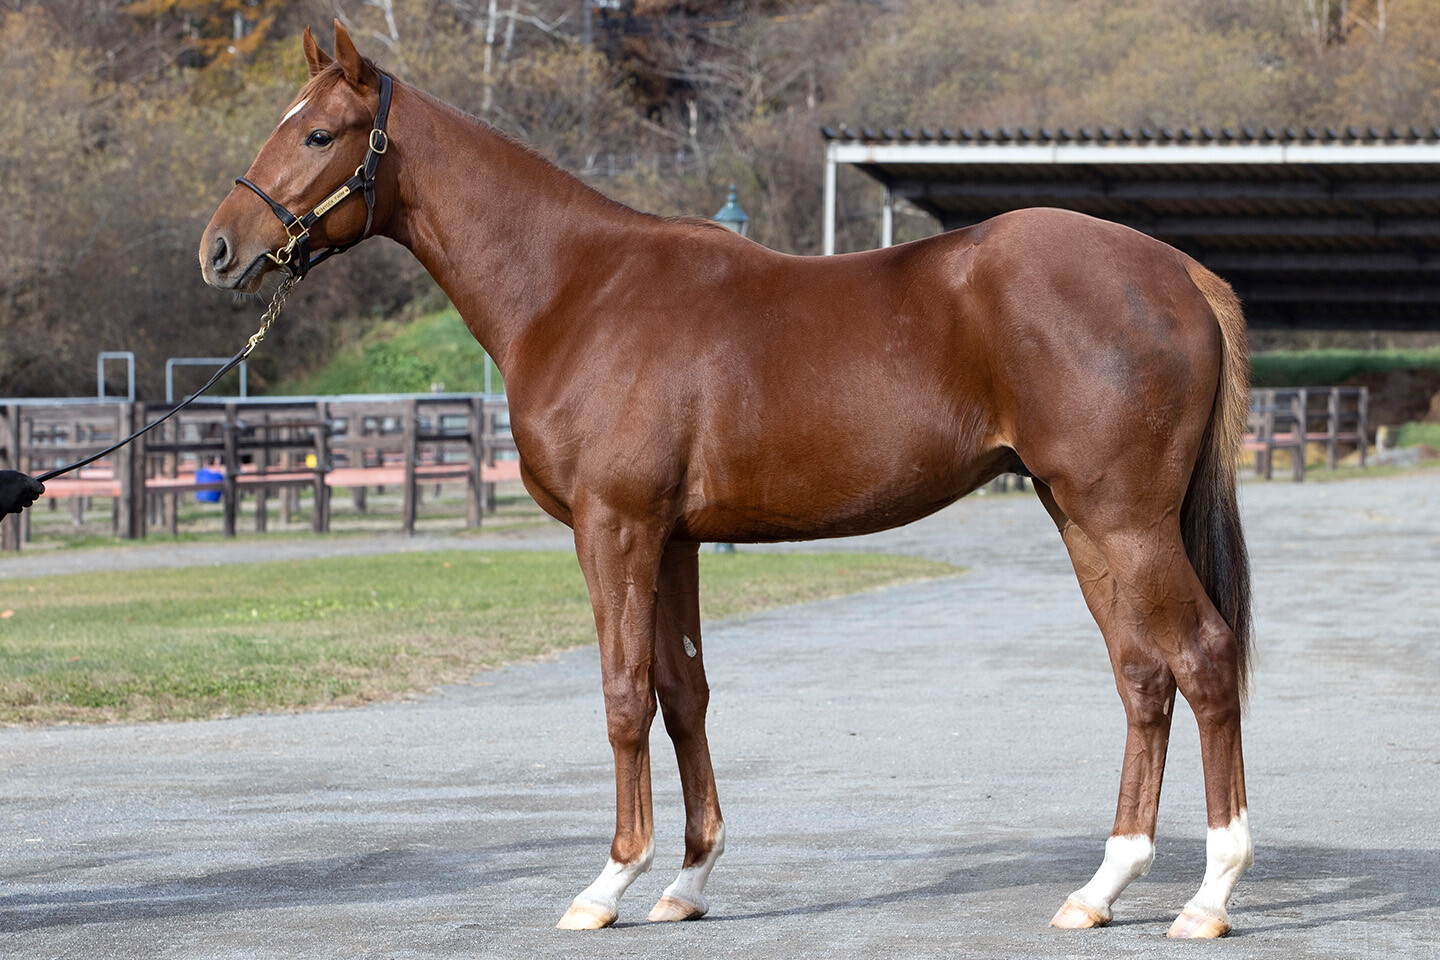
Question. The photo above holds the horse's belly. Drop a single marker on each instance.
(837, 497)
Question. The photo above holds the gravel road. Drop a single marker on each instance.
(922, 771)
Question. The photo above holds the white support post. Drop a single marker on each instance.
(827, 246)
(887, 220)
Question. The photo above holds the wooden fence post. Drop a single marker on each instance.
(1332, 443)
(320, 522)
(172, 469)
(1267, 431)
(262, 464)
(122, 515)
(1364, 415)
(355, 456)
(232, 469)
(488, 433)
(412, 451)
(77, 504)
(475, 493)
(10, 529)
(290, 494)
(1300, 405)
(139, 501)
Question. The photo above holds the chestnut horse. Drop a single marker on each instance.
(672, 383)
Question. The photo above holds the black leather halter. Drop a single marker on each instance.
(295, 255)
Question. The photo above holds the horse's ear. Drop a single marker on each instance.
(350, 60)
(315, 58)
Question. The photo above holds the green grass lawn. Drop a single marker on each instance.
(1414, 434)
(217, 641)
(1321, 368)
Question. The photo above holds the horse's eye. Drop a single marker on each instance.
(318, 138)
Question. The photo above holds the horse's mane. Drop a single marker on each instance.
(333, 74)
(692, 220)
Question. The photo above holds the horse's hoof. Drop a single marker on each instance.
(1076, 916)
(673, 908)
(585, 916)
(1195, 925)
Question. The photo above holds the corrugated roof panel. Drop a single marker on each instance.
(1299, 223)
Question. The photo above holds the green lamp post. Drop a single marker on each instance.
(731, 217)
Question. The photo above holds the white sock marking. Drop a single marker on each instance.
(1228, 852)
(294, 110)
(603, 896)
(690, 885)
(1126, 859)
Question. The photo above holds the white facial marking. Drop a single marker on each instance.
(690, 885)
(1228, 851)
(1126, 859)
(689, 645)
(295, 109)
(603, 896)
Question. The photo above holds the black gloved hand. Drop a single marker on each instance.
(17, 491)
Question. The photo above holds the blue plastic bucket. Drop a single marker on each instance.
(208, 476)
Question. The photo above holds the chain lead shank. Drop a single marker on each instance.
(267, 320)
(271, 314)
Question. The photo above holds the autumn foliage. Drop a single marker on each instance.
(127, 122)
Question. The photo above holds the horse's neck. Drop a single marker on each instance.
(498, 228)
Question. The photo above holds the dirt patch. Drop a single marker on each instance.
(1403, 395)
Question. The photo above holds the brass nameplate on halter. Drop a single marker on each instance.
(330, 201)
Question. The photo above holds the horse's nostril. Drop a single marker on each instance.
(220, 254)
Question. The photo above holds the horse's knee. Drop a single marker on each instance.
(629, 710)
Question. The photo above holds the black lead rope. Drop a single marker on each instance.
(294, 257)
(271, 313)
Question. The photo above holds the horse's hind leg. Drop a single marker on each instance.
(1157, 615)
(684, 696)
(1147, 689)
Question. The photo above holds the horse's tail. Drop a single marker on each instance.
(1210, 516)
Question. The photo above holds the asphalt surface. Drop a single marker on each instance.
(922, 771)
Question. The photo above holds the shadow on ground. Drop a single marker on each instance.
(378, 876)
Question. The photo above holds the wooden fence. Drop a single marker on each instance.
(274, 448)
(263, 449)
(1289, 419)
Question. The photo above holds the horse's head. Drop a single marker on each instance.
(320, 143)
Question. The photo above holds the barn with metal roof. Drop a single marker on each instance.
(1316, 229)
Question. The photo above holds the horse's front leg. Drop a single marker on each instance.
(684, 695)
(621, 561)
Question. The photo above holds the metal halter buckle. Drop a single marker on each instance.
(285, 254)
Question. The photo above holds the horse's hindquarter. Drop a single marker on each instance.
(1100, 343)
